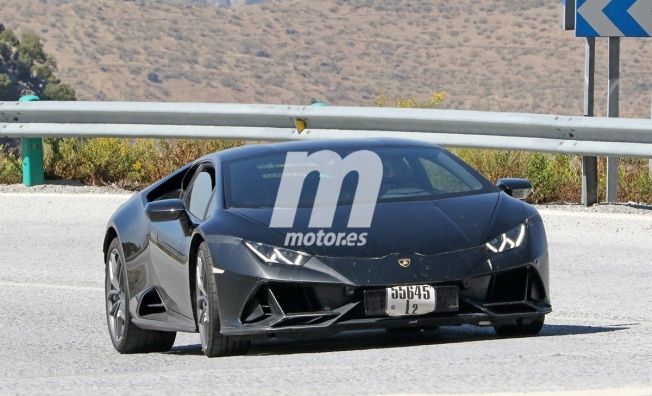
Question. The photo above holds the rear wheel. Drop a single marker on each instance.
(126, 336)
(519, 330)
(213, 343)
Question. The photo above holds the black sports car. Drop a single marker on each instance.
(317, 237)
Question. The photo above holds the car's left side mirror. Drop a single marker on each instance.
(165, 210)
(517, 188)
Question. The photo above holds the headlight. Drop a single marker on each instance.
(507, 241)
(275, 255)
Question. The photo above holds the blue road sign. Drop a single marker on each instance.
(613, 18)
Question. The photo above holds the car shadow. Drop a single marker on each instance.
(380, 339)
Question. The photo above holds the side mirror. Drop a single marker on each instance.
(165, 210)
(517, 188)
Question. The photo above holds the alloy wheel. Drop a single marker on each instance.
(115, 297)
(202, 304)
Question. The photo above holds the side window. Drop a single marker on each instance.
(200, 194)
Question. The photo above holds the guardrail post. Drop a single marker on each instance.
(589, 164)
(612, 111)
(32, 152)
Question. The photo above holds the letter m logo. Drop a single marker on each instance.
(298, 165)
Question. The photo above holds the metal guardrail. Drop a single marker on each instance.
(512, 131)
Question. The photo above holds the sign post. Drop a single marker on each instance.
(613, 111)
(589, 164)
(568, 22)
(32, 152)
(612, 19)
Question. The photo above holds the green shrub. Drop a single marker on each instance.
(128, 164)
(10, 167)
(555, 176)
(635, 180)
(558, 178)
(431, 102)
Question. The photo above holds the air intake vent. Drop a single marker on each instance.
(508, 286)
(151, 303)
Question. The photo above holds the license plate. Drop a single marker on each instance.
(410, 300)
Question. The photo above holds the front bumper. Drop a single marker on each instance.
(289, 309)
(326, 295)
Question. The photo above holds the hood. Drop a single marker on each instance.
(422, 227)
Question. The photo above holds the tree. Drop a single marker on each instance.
(26, 67)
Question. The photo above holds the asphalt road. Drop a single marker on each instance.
(53, 335)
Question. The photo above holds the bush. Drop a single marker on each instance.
(555, 178)
(10, 167)
(154, 77)
(558, 178)
(58, 91)
(431, 102)
(128, 164)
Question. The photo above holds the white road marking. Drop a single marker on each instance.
(584, 392)
(50, 286)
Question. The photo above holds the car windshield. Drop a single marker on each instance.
(409, 173)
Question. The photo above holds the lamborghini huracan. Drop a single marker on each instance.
(270, 240)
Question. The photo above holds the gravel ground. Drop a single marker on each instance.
(72, 187)
(628, 208)
(54, 337)
(62, 187)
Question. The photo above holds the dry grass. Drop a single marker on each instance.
(486, 54)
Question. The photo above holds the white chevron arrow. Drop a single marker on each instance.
(641, 11)
(592, 12)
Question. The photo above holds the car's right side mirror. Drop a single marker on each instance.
(165, 210)
(517, 188)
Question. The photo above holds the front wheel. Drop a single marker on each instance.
(520, 330)
(213, 343)
(126, 336)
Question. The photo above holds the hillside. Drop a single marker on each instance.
(486, 54)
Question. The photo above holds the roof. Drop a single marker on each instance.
(313, 145)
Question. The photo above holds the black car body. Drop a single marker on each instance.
(483, 252)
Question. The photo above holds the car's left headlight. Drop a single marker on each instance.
(508, 240)
(275, 255)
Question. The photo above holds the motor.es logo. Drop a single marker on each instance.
(332, 170)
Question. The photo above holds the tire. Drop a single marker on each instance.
(126, 336)
(520, 330)
(213, 343)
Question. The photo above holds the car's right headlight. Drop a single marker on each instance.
(275, 255)
(508, 240)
